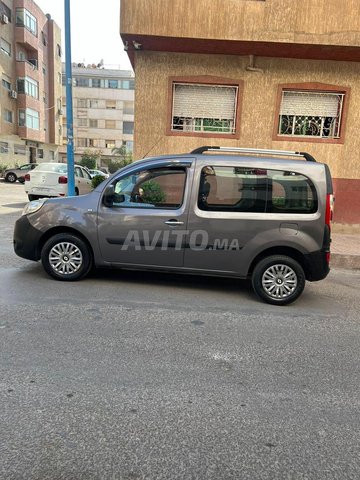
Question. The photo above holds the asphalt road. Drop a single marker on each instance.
(144, 376)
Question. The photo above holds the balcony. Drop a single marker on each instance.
(27, 68)
(26, 38)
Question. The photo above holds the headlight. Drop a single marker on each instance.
(33, 206)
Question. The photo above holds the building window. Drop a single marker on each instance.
(52, 154)
(128, 128)
(44, 69)
(110, 144)
(25, 19)
(82, 142)
(58, 50)
(5, 47)
(82, 122)
(110, 123)
(96, 83)
(204, 108)
(82, 103)
(28, 86)
(29, 118)
(125, 84)
(8, 116)
(19, 149)
(310, 114)
(5, 10)
(128, 108)
(93, 123)
(6, 84)
(94, 104)
(111, 104)
(44, 39)
(82, 82)
(94, 142)
(112, 83)
(4, 147)
(40, 153)
(129, 146)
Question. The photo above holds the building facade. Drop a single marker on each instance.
(272, 74)
(30, 90)
(103, 111)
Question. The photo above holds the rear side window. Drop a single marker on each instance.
(242, 189)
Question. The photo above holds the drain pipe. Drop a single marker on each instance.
(251, 67)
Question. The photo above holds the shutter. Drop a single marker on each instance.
(310, 104)
(204, 101)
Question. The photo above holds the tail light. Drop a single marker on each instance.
(27, 177)
(62, 179)
(329, 209)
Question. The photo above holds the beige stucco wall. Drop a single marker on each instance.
(152, 71)
(332, 22)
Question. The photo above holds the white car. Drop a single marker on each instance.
(50, 180)
(94, 173)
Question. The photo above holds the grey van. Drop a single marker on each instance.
(246, 213)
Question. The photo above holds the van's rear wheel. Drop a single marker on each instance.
(66, 257)
(278, 279)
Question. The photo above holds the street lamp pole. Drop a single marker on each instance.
(69, 103)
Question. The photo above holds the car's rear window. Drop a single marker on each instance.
(52, 167)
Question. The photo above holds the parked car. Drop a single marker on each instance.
(18, 173)
(94, 173)
(260, 214)
(50, 180)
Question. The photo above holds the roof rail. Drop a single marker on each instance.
(253, 151)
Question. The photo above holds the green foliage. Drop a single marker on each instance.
(3, 168)
(121, 158)
(95, 181)
(115, 164)
(152, 192)
(89, 158)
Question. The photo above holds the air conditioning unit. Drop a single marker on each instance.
(13, 93)
(4, 18)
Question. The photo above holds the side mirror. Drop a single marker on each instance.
(109, 194)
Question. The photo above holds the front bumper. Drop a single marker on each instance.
(26, 239)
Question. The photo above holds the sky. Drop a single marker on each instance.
(94, 31)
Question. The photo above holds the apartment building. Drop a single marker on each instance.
(30, 90)
(103, 111)
(278, 74)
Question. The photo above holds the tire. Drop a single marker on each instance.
(33, 197)
(66, 257)
(278, 280)
(11, 177)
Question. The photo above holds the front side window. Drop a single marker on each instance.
(29, 118)
(310, 114)
(25, 19)
(158, 188)
(248, 189)
(203, 108)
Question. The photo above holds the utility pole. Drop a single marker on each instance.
(69, 103)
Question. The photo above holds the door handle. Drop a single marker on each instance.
(173, 223)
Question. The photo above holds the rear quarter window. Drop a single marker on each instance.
(290, 192)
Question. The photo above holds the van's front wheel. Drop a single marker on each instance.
(278, 280)
(66, 257)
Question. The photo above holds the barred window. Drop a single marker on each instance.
(204, 108)
(310, 114)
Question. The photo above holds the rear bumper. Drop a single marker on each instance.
(316, 265)
(26, 239)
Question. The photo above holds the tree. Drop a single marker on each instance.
(89, 158)
(122, 157)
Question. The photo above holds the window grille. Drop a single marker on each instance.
(311, 114)
(204, 108)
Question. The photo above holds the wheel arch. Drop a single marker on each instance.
(288, 251)
(56, 230)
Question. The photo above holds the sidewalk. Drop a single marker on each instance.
(345, 247)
